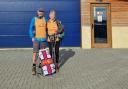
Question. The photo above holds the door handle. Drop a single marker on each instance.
(92, 26)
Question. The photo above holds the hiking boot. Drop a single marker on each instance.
(57, 68)
(34, 70)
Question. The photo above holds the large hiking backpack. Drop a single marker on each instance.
(47, 65)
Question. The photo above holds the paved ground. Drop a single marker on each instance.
(80, 69)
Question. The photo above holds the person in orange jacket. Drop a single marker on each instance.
(37, 32)
(54, 30)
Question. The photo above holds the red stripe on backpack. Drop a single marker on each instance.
(44, 54)
(49, 69)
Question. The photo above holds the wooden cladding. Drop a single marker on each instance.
(119, 11)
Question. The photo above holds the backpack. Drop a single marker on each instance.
(60, 30)
(48, 67)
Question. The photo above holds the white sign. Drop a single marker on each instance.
(99, 18)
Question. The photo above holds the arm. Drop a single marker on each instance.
(60, 30)
(31, 28)
(61, 27)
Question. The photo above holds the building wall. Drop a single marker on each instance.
(85, 24)
(120, 23)
(120, 36)
(119, 15)
(15, 17)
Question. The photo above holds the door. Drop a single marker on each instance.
(101, 25)
(15, 17)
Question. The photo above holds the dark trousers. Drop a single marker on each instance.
(57, 45)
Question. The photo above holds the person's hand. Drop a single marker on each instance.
(33, 39)
(58, 35)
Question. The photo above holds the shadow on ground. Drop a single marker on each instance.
(65, 55)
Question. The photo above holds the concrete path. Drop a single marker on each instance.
(80, 69)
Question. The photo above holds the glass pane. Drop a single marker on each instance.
(100, 24)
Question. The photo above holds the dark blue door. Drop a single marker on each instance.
(15, 16)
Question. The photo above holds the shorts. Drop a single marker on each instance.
(38, 45)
